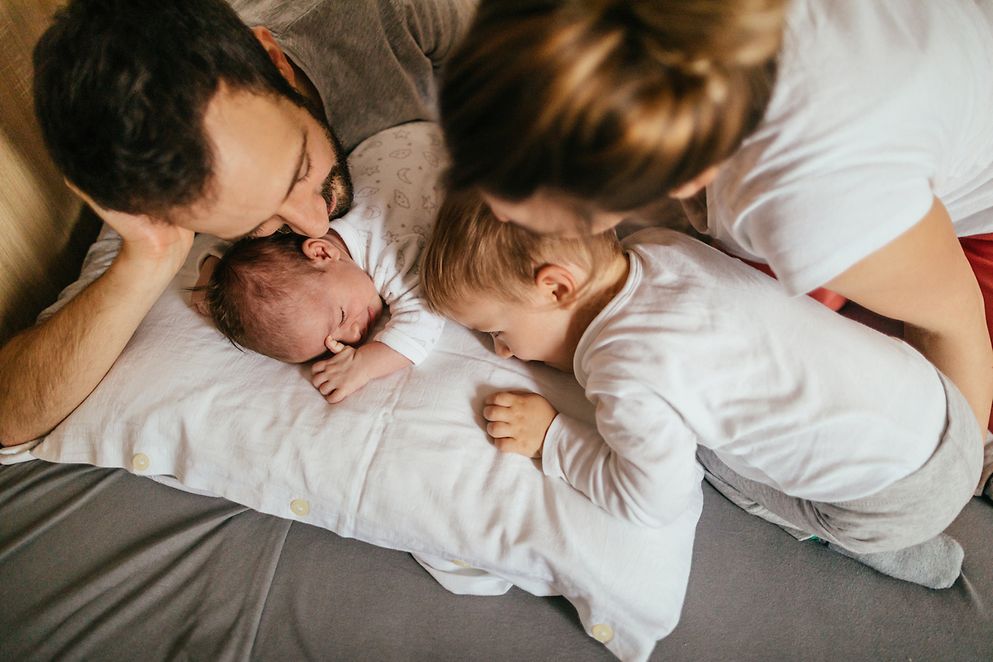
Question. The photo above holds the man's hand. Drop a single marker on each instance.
(341, 375)
(517, 422)
(145, 238)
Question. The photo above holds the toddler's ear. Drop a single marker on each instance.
(556, 283)
(321, 250)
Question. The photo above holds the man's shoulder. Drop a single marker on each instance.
(273, 14)
(278, 15)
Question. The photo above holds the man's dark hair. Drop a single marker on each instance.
(121, 88)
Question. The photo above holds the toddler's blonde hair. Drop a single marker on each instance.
(472, 254)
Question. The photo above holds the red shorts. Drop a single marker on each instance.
(979, 251)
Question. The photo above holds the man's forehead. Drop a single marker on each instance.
(257, 141)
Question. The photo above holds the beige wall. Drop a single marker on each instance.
(41, 244)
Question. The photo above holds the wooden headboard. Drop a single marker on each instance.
(43, 237)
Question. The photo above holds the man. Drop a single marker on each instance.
(174, 118)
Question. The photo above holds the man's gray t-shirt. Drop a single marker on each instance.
(374, 62)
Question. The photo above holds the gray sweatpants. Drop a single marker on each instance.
(912, 510)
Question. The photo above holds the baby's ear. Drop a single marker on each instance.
(320, 250)
(556, 283)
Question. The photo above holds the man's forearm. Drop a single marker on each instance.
(46, 371)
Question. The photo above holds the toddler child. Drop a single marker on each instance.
(688, 354)
(295, 298)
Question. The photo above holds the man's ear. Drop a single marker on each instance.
(692, 187)
(275, 53)
(556, 283)
(115, 219)
(321, 251)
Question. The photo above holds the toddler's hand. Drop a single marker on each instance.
(518, 422)
(341, 375)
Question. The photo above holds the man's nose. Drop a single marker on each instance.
(306, 213)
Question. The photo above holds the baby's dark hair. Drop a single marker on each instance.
(250, 293)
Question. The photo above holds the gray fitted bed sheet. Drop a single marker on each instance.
(99, 564)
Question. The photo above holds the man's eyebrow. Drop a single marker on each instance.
(296, 171)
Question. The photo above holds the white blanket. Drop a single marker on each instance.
(405, 463)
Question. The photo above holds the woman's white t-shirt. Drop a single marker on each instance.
(879, 106)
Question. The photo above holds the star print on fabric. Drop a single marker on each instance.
(432, 158)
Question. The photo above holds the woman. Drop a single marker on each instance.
(846, 144)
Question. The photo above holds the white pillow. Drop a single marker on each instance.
(404, 463)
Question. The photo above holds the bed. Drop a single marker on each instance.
(104, 563)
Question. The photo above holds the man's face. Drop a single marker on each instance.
(543, 213)
(274, 164)
(528, 330)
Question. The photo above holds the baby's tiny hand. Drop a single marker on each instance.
(518, 422)
(341, 375)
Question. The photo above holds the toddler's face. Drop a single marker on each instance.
(338, 303)
(529, 330)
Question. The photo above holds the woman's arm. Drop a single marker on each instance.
(924, 279)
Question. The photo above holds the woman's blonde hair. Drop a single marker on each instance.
(612, 102)
(471, 254)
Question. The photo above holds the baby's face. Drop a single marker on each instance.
(338, 303)
(529, 330)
